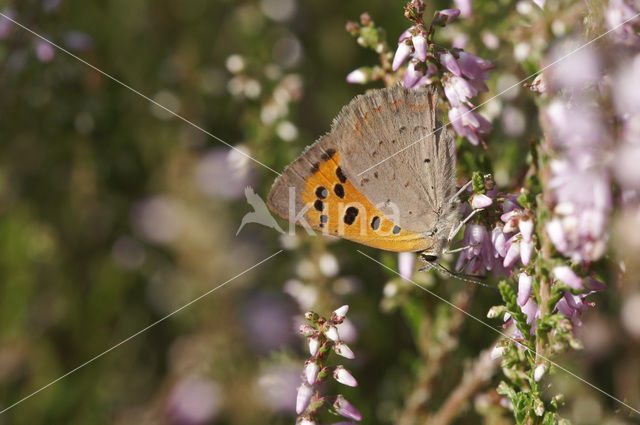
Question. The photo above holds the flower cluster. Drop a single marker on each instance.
(322, 338)
(460, 74)
(510, 238)
(570, 305)
(623, 21)
(582, 137)
(579, 180)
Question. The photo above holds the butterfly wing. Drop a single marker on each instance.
(394, 205)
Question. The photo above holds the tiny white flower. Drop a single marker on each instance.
(539, 371)
(339, 313)
(303, 397)
(332, 333)
(345, 377)
(498, 351)
(314, 345)
(343, 350)
(311, 370)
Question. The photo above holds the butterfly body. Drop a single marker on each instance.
(384, 176)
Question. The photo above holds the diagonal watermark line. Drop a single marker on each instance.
(162, 319)
(502, 334)
(111, 77)
(504, 91)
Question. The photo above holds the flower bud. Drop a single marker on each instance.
(338, 315)
(305, 391)
(526, 229)
(346, 409)
(420, 46)
(498, 351)
(450, 63)
(539, 371)
(443, 17)
(568, 276)
(332, 333)
(402, 53)
(311, 369)
(479, 200)
(345, 377)
(524, 288)
(359, 76)
(343, 350)
(496, 311)
(314, 344)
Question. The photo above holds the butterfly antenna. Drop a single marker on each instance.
(457, 276)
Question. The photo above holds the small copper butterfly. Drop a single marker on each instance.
(384, 176)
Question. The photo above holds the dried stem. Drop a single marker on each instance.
(474, 379)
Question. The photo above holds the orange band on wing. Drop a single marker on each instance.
(337, 208)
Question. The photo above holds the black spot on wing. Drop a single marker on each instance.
(350, 215)
(375, 223)
(338, 189)
(321, 192)
(328, 154)
(341, 175)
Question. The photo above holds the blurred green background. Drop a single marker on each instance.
(113, 214)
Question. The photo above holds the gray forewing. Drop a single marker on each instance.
(396, 152)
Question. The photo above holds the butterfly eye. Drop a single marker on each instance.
(430, 258)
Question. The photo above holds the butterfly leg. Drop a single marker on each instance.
(462, 189)
(453, 251)
(455, 231)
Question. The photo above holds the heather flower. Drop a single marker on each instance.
(539, 371)
(573, 68)
(468, 124)
(6, 26)
(524, 288)
(343, 350)
(420, 46)
(332, 333)
(478, 256)
(345, 377)
(531, 310)
(479, 200)
(579, 227)
(45, 52)
(323, 336)
(338, 314)
(311, 369)
(458, 90)
(406, 261)
(567, 276)
(513, 252)
(305, 391)
(446, 16)
(463, 77)
(358, 76)
(346, 409)
(194, 400)
(498, 351)
(314, 344)
(475, 69)
(619, 11)
(402, 54)
(465, 7)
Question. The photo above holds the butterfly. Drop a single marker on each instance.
(384, 176)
